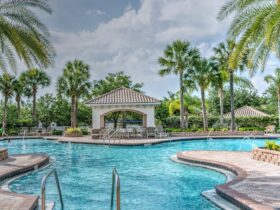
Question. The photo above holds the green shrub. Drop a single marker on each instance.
(57, 132)
(73, 132)
(85, 132)
(272, 145)
(13, 131)
(195, 122)
(251, 129)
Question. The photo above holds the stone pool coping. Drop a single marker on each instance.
(239, 199)
(14, 166)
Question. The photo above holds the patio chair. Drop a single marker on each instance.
(151, 132)
(123, 133)
(270, 129)
(130, 132)
(139, 132)
(160, 132)
(34, 131)
(47, 131)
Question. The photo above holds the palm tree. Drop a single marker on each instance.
(178, 58)
(202, 77)
(256, 26)
(19, 91)
(7, 84)
(275, 82)
(220, 79)
(23, 35)
(32, 80)
(222, 57)
(74, 83)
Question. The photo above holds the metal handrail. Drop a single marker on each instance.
(43, 189)
(116, 184)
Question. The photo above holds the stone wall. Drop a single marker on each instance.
(217, 133)
(3, 154)
(266, 155)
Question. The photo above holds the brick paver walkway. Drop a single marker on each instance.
(15, 165)
(256, 182)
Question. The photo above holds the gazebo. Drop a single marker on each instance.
(247, 111)
(122, 100)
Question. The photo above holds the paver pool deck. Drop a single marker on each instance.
(13, 166)
(256, 185)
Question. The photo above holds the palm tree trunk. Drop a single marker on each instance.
(76, 112)
(73, 112)
(205, 120)
(232, 126)
(222, 105)
(34, 94)
(278, 95)
(18, 100)
(187, 117)
(182, 122)
(4, 125)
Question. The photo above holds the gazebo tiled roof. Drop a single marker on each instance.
(123, 96)
(247, 111)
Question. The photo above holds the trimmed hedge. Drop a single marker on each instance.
(247, 123)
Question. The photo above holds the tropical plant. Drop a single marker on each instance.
(19, 91)
(255, 26)
(202, 77)
(113, 81)
(190, 106)
(23, 35)
(222, 57)
(274, 81)
(32, 80)
(179, 58)
(7, 84)
(74, 83)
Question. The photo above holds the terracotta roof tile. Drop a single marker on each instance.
(123, 96)
(247, 111)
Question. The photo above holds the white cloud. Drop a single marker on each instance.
(134, 41)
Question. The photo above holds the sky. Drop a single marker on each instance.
(130, 36)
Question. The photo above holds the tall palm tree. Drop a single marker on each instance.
(19, 91)
(202, 77)
(7, 84)
(256, 26)
(220, 79)
(32, 80)
(222, 57)
(178, 59)
(275, 81)
(74, 83)
(23, 35)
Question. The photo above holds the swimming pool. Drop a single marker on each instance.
(149, 179)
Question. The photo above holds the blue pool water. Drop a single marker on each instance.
(149, 179)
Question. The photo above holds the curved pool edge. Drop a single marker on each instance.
(211, 194)
(15, 200)
(234, 197)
